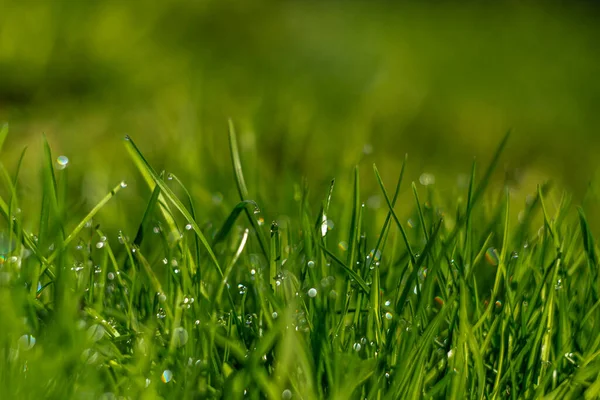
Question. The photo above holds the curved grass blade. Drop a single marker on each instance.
(193, 213)
(230, 221)
(139, 159)
(81, 224)
(147, 214)
(363, 285)
(241, 186)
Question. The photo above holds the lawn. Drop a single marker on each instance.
(342, 299)
(290, 200)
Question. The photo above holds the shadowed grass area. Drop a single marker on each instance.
(448, 295)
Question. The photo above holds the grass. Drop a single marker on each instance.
(461, 301)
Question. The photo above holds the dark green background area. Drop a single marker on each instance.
(310, 87)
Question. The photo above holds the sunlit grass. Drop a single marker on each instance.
(457, 302)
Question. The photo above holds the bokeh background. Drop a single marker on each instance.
(312, 87)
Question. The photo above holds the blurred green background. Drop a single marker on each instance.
(313, 88)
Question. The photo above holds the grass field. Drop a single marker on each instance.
(261, 233)
(439, 296)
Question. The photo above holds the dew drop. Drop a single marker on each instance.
(62, 162)
(95, 332)
(491, 256)
(166, 376)
(310, 264)
(287, 394)
(427, 179)
(357, 346)
(89, 356)
(388, 315)
(99, 245)
(558, 285)
(275, 315)
(312, 292)
(26, 342)
(324, 226)
(188, 227)
(110, 276)
(123, 184)
(180, 336)
(242, 289)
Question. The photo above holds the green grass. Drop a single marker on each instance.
(339, 300)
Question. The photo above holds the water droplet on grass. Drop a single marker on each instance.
(312, 292)
(89, 356)
(99, 245)
(188, 227)
(275, 315)
(343, 246)
(180, 336)
(491, 256)
(427, 179)
(310, 264)
(62, 162)
(388, 315)
(242, 289)
(357, 346)
(166, 376)
(95, 332)
(123, 184)
(26, 342)
(558, 285)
